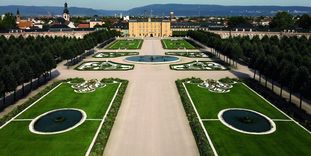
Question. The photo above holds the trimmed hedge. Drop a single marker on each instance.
(197, 130)
(102, 138)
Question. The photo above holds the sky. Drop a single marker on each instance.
(128, 4)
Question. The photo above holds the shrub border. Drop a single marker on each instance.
(104, 133)
(194, 122)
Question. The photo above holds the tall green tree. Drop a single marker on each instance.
(2, 91)
(67, 55)
(235, 21)
(26, 72)
(8, 80)
(49, 62)
(8, 22)
(301, 81)
(304, 21)
(237, 52)
(282, 20)
(37, 67)
(18, 76)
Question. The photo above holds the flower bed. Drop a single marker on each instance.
(190, 54)
(199, 66)
(216, 86)
(87, 86)
(104, 66)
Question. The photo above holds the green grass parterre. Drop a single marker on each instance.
(114, 54)
(289, 138)
(16, 139)
(176, 44)
(126, 44)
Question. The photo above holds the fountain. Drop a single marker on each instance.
(152, 59)
(57, 121)
(247, 121)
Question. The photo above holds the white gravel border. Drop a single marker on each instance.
(273, 125)
(32, 123)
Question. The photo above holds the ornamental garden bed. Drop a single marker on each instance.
(104, 66)
(191, 54)
(114, 54)
(199, 66)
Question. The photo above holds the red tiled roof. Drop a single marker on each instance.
(82, 25)
(24, 24)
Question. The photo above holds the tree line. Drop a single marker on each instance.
(26, 59)
(281, 21)
(285, 61)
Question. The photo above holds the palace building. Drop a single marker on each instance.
(150, 27)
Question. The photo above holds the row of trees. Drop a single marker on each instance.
(25, 59)
(281, 21)
(286, 60)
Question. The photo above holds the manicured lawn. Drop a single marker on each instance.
(177, 44)
(126, 44)
(16, 139)
(288, 139)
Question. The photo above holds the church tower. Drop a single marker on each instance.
(66, 14)
(18, 16)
